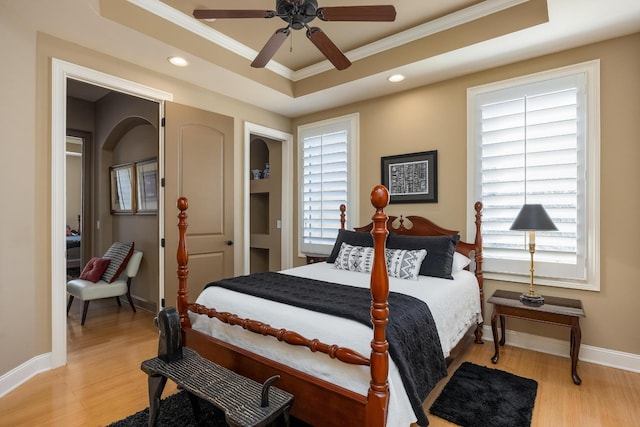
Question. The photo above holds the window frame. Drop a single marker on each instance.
(591, 71)
(351, 125)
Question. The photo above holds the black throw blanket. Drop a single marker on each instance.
(414, 344)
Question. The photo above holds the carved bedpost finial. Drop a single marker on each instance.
(343, 209)
(379, 197)
(183, 261)
(379, 385)
(183, 204)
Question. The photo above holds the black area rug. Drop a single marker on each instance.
(480, 396)
(175, 411)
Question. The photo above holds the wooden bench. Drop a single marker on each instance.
(244, 401)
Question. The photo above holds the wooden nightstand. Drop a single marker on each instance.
(557, 311)
(312, 259)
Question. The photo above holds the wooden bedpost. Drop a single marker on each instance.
(183, 260)
(343, 221)
(478, 260)
(378, 395)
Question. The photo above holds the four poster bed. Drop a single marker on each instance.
(338, 384)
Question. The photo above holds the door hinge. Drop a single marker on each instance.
(162, 242)
(163, 122)
(162, 182)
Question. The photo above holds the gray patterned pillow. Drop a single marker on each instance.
(404, 263)
(354, 258)
(119, 254)
(401, 263)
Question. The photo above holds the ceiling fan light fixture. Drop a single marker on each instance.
(178, 61)
(298, 14)
(396, 78)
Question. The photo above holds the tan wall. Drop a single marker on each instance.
(434, 118)
(21, 307)
(25, 84)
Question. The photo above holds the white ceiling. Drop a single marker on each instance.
(571, 23)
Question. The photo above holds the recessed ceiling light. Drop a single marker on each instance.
(178, 61)
(396, 78)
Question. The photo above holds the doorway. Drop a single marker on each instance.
(61, 71)
(126, 135)
(77, 191)
(252, 132)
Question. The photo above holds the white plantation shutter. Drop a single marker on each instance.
(326, 169)
(548, 118)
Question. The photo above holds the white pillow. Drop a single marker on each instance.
(401, 263)
(460, 262)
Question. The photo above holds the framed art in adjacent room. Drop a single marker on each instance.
(411, 178)
(147, 186)
(122, 189)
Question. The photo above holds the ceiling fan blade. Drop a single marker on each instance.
(223, 14)
(328, 48)
(382, 13)
(270, 48)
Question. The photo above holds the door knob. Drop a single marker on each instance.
(229, 242)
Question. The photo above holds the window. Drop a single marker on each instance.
(328, 178)
(536, 139)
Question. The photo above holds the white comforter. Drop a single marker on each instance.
(454, 304)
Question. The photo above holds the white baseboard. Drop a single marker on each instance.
(21, 374)
(588, 353)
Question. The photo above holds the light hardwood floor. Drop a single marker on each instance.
(102, 381)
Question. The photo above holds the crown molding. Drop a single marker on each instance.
(196, 27)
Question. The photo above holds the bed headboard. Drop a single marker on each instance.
(414, 225)
(420, 226)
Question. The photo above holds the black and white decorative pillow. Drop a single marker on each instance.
(354, 258)
(405, 264)
(401, 263)
(119, 254)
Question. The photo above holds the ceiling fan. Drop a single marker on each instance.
(297, 14)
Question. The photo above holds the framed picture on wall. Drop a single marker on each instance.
(122, 188)
(147, 186)
(411, 178)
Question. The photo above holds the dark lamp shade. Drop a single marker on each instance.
(533, 218)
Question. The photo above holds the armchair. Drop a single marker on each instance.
(87, 290)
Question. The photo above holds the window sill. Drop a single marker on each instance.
(544, 281)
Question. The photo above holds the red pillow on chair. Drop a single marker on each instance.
(94, 269)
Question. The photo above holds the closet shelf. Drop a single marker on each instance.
(257, 186)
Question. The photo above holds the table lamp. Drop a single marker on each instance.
(532, 218)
